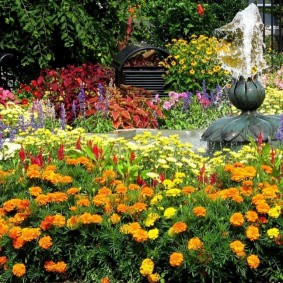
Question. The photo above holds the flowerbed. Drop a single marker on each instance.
(148, 210)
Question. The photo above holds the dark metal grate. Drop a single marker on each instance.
(8, 67)
(149, 78)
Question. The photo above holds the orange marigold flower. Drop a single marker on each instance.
(42, 199)
(134, 187)
(252, 233)
(199, 211)
(140, 235)
(104, 191)
(238, 248)
(262, 207)
(267, 169)
(35, 191)
(83, 202)
(19, 269)
(237, 219)
(96, 218)
(61, 267)
(33, 173)
(239, 164)
(247, 183)
(246, 190)
(229, 168)
(176, 259)
(45, 242)
(147, 192)
(122, 208)
(73, 208)
(73, 222)
(72, 191)
(251, 216)
(115, 218)
(121, 189)
(179, 227)
(57, 197)
(15, 232)
(29, 234)
(195, 244)
(257, 198)
(47, 222)
(253, 261)
(270, 192)
(109, 174)
(86, 218)
(18, 242)
(59, 220)
(139, 206)
(3, 260)
(105, 280)
(153, 278)
(188, 189)
(100, 199)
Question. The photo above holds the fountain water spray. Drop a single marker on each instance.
(245, 43)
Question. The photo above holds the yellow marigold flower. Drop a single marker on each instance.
(195, 244)
(156, 199)
(35, 191)
(19, 270)
(147, 267)
(199, 211)
(253, 261)
(153, 234)
(180, 175)
(192, 72)
(153, 278)
(168, 184)
(252, 233)
(237, 219)
(251, 216)
(172, 192)
(273, 233)
(115, 218)
(176, 259)
(179, 227)
(170, 212)
(150, 219)
(45, 242)
(275, 211)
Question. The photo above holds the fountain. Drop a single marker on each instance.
(245, 54)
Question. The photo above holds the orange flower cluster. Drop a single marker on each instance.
(176, 259)
(59, 267)
(56, 197)
(195, 244)
(45, 242)
(33, 171)
(3, 261)
(253, 261)
(238, 248)
(134, 229)
(19, 270)
(55, 178)
(88, 218)
(82, 160)
(240, 172)
(179, 227)
(237, 219)
(22, 235)
(57, 220)
(252, 233)
(260, 203)
(199, 211)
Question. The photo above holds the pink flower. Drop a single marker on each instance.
(167, 105)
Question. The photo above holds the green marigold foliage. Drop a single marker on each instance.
(194, 62)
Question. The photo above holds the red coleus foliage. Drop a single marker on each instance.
(130, 107)
(63, 85)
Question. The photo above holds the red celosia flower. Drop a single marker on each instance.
(78, 144)
(22, 155)
(132, 156)
(200, 10)
(61, 152)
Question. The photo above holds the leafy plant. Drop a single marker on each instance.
(191, 63)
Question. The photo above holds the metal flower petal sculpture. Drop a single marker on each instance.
(246, 95)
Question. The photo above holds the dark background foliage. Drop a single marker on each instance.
(57, 33)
